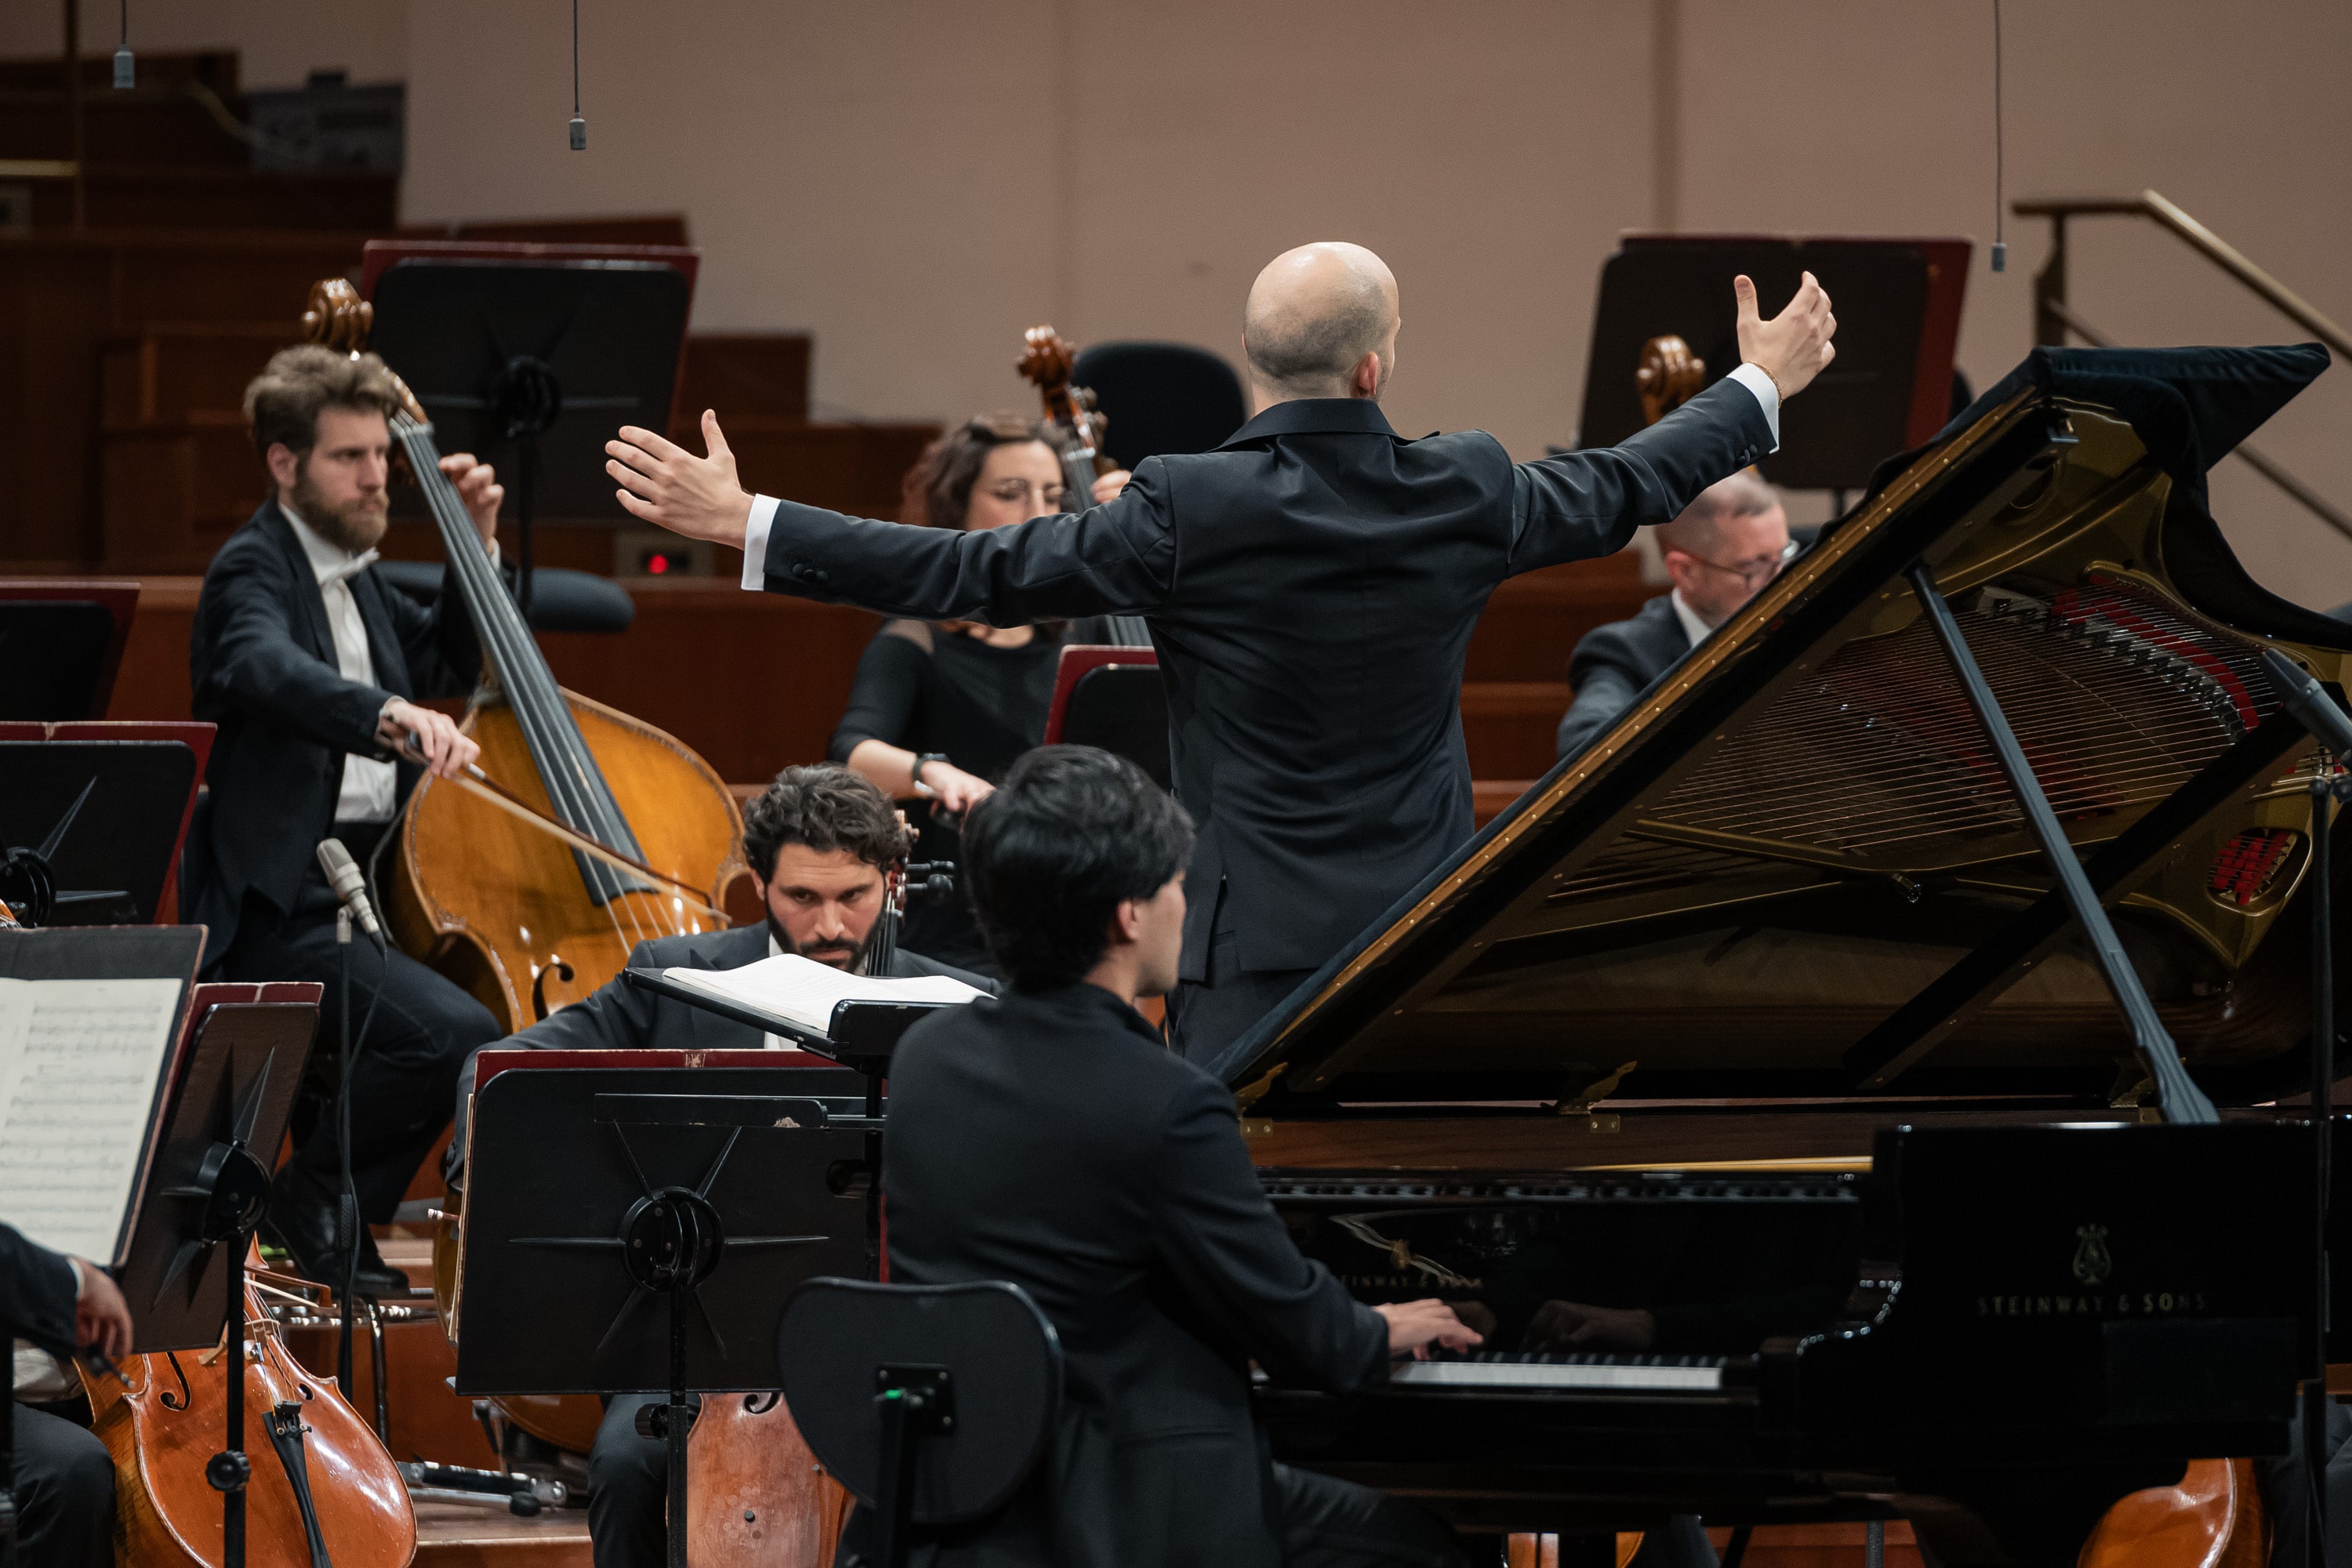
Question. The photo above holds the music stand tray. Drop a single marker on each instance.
(106, 816)
(86, 1064)
(565, 1162)
(1112, 697)
(61, 644)
(550, 348)
(1898, 326)
(236, 1086)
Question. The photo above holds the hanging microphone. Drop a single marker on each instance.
(351, 888)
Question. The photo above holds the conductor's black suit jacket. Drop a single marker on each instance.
(262, 663)
(1311, 587)
(1050, 1140)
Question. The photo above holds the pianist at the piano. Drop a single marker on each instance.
(1048, 1139)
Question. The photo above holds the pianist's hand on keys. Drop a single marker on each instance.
(1414, 1326)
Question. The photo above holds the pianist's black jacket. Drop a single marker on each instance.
(1612, 663)
(37, 1288)
(1051, 1141)
(262, 663)
(1311, 587)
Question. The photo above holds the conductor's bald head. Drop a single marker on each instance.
(1321, 321)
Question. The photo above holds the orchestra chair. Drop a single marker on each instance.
(931, 1404)
(1160, 399)
(562, 600)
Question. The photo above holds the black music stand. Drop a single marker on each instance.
(592, 1192)
(545, 358)
(90, 829)
(221, 1092)
(205, 1197)
(1898, 303)
(60, 645)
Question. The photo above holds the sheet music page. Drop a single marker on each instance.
(78, 1062)
(803, 991)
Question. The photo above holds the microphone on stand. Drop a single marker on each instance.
(350, 887)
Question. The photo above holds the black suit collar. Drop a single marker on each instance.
(1314, 416)
(1085, 1004)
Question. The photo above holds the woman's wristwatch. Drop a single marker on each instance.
(916, 774)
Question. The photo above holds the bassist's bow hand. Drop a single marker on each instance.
(1107, 486)
(664, 483)
(422, 735)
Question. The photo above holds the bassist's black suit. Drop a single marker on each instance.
(262, 660)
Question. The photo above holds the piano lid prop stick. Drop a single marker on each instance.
(2177, 1094)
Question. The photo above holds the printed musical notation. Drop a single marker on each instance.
(79, 1061)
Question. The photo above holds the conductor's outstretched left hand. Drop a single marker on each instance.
(664, 483)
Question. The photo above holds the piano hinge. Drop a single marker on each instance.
(1581, 1101)
(1257, 1126)
(1249, 1094)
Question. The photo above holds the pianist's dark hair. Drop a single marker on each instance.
(826, 807)
(1047, 858)
(282, 403)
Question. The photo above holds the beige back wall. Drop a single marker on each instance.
(917, 181)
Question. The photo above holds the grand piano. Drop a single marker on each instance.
(1840, 1088)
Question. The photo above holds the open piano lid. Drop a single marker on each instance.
(1793, 833)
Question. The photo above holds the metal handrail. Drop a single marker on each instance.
(2167, 213)
(2053, 319)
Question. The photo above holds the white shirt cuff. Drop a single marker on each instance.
(1753, 378)
(755, 543)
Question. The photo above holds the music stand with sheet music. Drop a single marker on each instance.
(93, 817)
(541, 351)
(1112, 697)
(1898, 303)
(638, 1229)
(166, 1171)
(61, 644)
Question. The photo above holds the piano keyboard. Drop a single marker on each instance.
(1633, 1374)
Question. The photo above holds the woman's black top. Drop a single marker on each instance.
(933, 691)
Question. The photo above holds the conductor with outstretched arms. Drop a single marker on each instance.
(1311, 587)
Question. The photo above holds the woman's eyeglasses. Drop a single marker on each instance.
(1014, 492)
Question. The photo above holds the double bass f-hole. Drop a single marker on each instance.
(185, 1398)
(555, 966)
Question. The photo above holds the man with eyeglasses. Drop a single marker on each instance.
(1719, 554)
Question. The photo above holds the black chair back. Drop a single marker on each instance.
(931, 1402)
(1161, 398)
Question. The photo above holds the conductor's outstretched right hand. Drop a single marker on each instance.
(663, 482)
(1794, 346)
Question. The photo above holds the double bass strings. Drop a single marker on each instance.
(575, 787)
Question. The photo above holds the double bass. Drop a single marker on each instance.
(1049, 363)
(639, 840)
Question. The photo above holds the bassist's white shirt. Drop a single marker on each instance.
(370, 788)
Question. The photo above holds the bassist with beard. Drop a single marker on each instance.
(313, 668)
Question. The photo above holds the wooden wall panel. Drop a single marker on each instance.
(755, 681)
